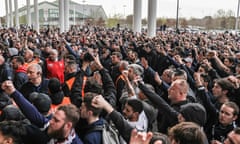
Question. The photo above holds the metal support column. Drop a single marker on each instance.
(137, 16)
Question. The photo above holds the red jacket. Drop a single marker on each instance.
(55, 69)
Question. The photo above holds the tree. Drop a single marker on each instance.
(112, 22)
(184, 23)
(231, 22)
(171, 22)
(223, 23)
(100, 22)
(225, 19)
(220, 13)
(229, 13)
(144, 22)
(161, 21)
(208, 22)
(129, 20)
(194, 22)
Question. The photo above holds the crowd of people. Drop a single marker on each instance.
(178, 88)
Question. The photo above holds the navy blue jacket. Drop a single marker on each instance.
(29, 87)
(36, 119)
(93, 137)
(19, 79)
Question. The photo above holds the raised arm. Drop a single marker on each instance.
(108, 85)
(121, 124)
(26, 107)
(161, 104)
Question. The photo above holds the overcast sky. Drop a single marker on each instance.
(165, 8)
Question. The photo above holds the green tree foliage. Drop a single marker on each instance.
(129, 20)
(113, 21)
(222, 19)
(161, 21)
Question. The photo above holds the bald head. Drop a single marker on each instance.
(53, 55)
(28, 56)
(178, 90)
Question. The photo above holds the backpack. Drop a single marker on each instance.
(109, 133)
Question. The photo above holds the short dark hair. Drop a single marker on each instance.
(136, 105)
(14, 130)
(234, 106)
(54, 85)
(118, 54)
(41, 101)
(190, 110)
(71, 64)
(159, 136)
(187, 133)
(231, 59)
(93, 86)
(19, 59)
(204, 66)
(180, 72)
(88, 97)
(11, 112)
(206, 78)
(72, 113)
(70, 57)
(224, 84)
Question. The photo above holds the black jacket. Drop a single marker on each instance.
(168, 113)
(108, 87)
(34, 134)
(28, 88)
(220, 132)
(76, 91)
(109, 91)
(122, 125)
(213, 129)
(6, 73)
(19, 79)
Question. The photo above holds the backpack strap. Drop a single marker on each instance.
(95, 128)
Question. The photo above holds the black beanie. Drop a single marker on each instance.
(93, 86)
(194, 112)
(41, 101)
(54, 85)
(11, 112)
(5, 100)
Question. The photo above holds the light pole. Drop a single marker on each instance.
(124, 6)
(177, 30)
(124, 15)
(83, 11)
(7, 13)
(236, 25)
(74, 15)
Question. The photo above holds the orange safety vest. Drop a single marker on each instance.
(71, 81)
(119, 77)
(32, 62)
(83, 85)
(65, 101)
